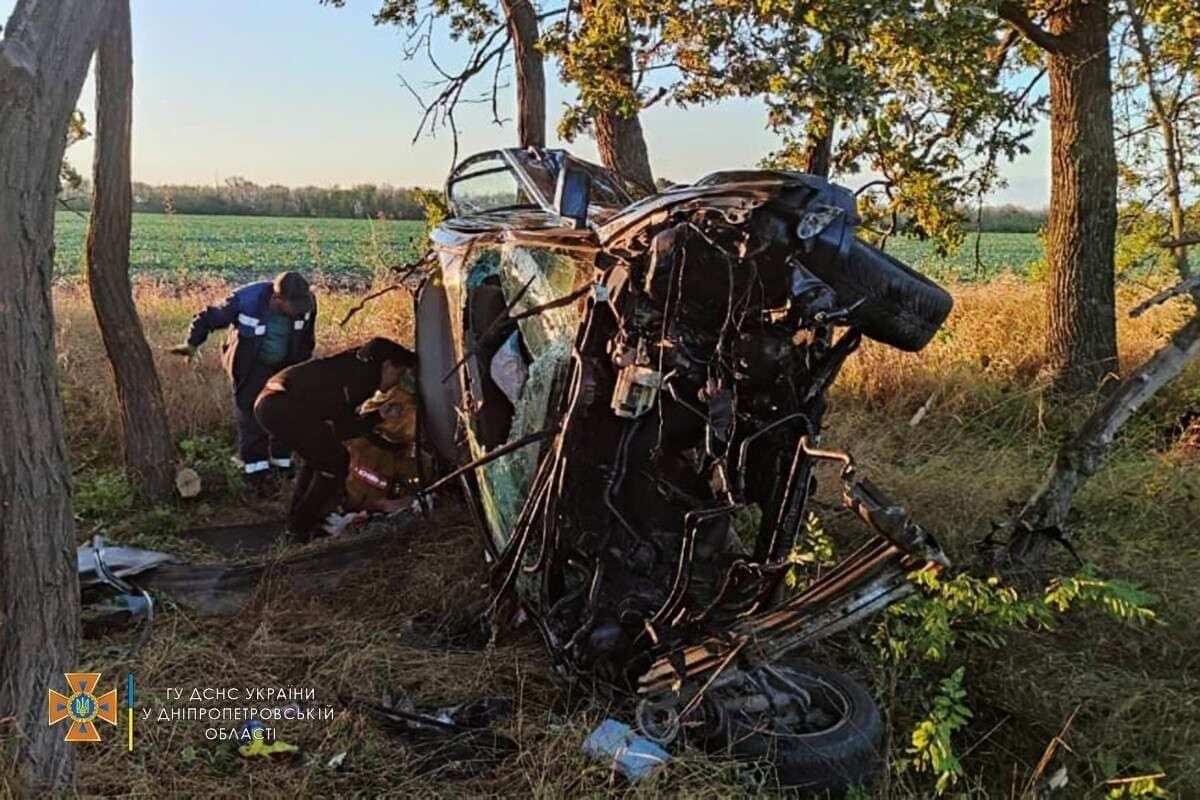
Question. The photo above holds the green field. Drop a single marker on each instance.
(188, 246)
(998, 252)
(179, 247)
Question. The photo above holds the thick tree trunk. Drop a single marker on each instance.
(44, 57)
(1083, 454)
(1081, 344)
(818, 150)
(146, 445)
(622, 147)
(531, 75)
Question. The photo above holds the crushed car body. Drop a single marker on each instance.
(632, 394)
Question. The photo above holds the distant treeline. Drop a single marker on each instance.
(1009, 219)
(238, 196)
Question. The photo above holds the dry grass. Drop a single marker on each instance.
(988, 435)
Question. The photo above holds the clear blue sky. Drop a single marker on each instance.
(292, 92)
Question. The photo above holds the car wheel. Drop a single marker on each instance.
(896, 304)
(822, 732)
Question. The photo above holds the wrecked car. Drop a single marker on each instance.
(631, 393)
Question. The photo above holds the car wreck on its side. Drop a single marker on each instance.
(632, 394)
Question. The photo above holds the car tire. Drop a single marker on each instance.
(896, 304)
(843, 755)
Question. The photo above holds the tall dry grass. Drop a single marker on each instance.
(990, 348)
(198, 395)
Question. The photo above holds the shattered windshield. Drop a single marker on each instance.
(488, 185)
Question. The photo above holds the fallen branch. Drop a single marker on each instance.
(1083, 454)
(1189, 286)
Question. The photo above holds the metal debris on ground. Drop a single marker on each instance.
(456, 741)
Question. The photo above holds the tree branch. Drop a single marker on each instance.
(1017, 15)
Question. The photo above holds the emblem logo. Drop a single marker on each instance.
(82, 707)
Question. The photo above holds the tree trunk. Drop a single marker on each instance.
(1082, 455)
(818, 149)
(1166, 129)
(1081, 344)
(531, 76)
(622, 148)
(44, 58)
(146, 445)
(619, 138)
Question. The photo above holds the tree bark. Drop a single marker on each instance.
(1081, 343)
(531, 76)
(44, 57)
(146, 446)
(622, 147)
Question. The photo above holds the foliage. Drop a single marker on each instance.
(1141, 786)
(931, 748)
(69, 179)
(918, 94)
(948, 615)
(210, 458)
(103, 497)
(1172, 33)
(591, 49)
(813, 550)
(436, 209)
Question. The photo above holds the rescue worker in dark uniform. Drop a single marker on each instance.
(272, 326)
(315, 406)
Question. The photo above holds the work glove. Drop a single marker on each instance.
(185, 350)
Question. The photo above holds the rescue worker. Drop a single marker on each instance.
(272, 326)
(383, 462)
(315, 406)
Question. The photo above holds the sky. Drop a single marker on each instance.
(293, 92)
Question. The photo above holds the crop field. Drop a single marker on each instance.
(179, 247)
(998, 252)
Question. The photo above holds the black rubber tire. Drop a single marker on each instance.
(900, 306)
(845, 755)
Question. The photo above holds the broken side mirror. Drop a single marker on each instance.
(572, 194)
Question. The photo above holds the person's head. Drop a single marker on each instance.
(291, 294)
(393, 360)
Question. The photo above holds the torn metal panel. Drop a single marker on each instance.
(122, 562)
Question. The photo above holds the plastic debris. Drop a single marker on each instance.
(337, 761)
(633, 756)
(258, 745)
(508, 368)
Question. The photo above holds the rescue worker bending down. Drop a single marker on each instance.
(272, 326)
(315, 407)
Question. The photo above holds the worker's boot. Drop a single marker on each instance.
(310, 508)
